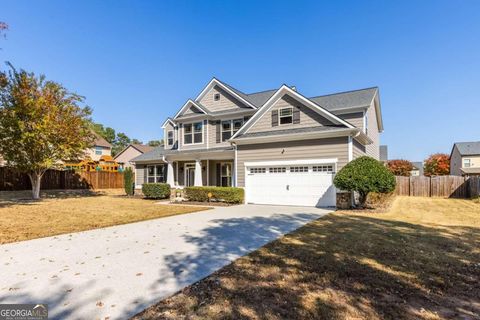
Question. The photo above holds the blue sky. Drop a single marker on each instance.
(137, 62)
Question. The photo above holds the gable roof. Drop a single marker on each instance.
(101, 142)
(346, 100)
(234, 92)
(285, 90)
(468, 148)
(189, 104)
(419, 166)
(142, 148)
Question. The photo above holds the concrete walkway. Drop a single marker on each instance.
(116, 272)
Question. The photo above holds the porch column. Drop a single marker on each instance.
(170, 176)
(198, 174)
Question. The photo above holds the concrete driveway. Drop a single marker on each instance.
(118, 271)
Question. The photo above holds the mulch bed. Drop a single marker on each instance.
(198, 203)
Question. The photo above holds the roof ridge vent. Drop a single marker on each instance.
(294, 88)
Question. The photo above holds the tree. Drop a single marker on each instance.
(365, 175)
(136, 141)
(120, 143)
(3, 28)
(437, 164)
(41, 123)
(128, 181)
(105, 132)
(155, 143)
(400, 167)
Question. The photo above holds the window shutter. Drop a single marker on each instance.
(219, 138)
(296, 115)
(145, 174)
(274, 118)
(218, 181)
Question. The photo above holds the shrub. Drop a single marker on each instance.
(365, 175)
(128, 181)
(156, 190)
(400, 167)
(224, 194)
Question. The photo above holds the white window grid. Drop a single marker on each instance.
(258, 170)
(277, 170)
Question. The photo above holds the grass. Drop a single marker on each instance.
(419, 260)
(65, 212)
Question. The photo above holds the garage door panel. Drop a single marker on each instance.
(290, 188)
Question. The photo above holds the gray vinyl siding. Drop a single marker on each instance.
(359, 150)
(226, 102)
(139, 174)
(292, 150)
(373, 150)
(353, 118)
(308, 117)
(456, 163)
(212, 136)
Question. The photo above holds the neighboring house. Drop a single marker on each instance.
(100, 148)
(384, 153)
(281, 146)
(124, 157)
(417, 169)
(465, 159)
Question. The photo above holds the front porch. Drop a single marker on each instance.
(187, 168)
(187, 173)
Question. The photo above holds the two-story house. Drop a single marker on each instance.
(465, 159)
(282, 147)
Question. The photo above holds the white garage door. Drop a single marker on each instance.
(295, 183)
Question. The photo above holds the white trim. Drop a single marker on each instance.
(231, 127)
(185, 172)
(208, 172)
(305, 136)
(193, 133)
(188, 104)
(289, 162)
(215, 82)
(173, 137)
(231, 173)
(236, 165)
(350, 148)
(279, 116)
(167, 121)
(277, 96)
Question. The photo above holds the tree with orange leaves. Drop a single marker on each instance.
(437, 164)
(400, 167)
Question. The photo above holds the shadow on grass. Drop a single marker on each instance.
(11, 198)
(339, 266)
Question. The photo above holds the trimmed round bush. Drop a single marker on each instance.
(156, 190)
(222, 194)
(365, 175)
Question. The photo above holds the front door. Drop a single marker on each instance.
(189, 174)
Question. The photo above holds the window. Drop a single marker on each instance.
(466, 163)
(226, 175)
(285, 115)
(193, 133)
(230, 127)
(258, 170)
(216, 96)
(170, 138)
(156, 174)
(324, 168)
(98, 150)
(298, 169)
(277, 170)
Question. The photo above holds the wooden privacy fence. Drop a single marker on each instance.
(440, 186)
(12, 180)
